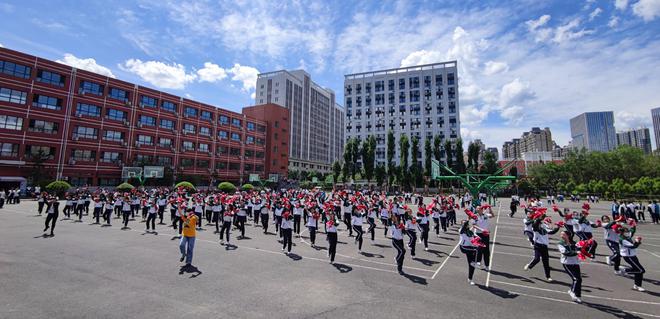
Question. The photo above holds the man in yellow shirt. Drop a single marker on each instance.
(189, 221)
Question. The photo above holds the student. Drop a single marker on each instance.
(41, 201)
(331, 236)
(227, 217)
(285, 230)
(482, 230)
(98, 209)
(396, 229)
(467, 247)
(357, 219)
(162, 203)
(423, 225)
(151, 217)
(187, 243)
(107, 213)
(241, 218)
(52, 213)
(312, 224)
(348, 215)
(371, 220)
(542, 229)
(571, 263)
(217, 214)
(297, 216)
(612, 241)
(126, 210)
(411, 231)
(385, 216)
(628, 249)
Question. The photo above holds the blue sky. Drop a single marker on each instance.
(521, 63)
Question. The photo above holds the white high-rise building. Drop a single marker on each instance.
(317, 122)
(417, 101)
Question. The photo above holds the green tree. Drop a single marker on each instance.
(437, 148)
(404, 147)
(380, 173)
(336, 171)
(428, 153)
(490, 163)
(355, 157)
(391, 150)
(473, 158)
(460, 162)
(416, 169)
(449, 154)
(348, 159)
(369, 157)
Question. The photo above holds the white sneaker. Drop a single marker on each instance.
(548, 279)
(577, 300)
(426, 249)
(479, 264)
(438, 235)
(486, 268)
(222, 242)
(473, 264)
(526, 267)
(619, 272)
(573, 297)
(608, 261)
(471, 282)
(638, 288)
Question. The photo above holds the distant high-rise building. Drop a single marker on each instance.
(594, 131)
(317, 122)
(640, 138)
(655, 115)
(494, 151)
(419, 101)
(536, 140)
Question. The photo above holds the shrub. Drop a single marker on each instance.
(186, 185)
(124, 187)
(247, 187)
(227, 187)
(58, 187)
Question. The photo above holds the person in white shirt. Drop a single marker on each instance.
(396, 229)
(331, 234)
(542, 229)
(467, 247)
(286, 230)
(628, 248)
(571, 263)
(312, 224)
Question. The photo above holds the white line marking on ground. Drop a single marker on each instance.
(492, 249)
(572, 303)
(650, 252)
(590, 296)
(445, 261)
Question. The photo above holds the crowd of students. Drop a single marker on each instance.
(294, 211)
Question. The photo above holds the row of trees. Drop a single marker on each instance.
(623, 172)
(359, 159)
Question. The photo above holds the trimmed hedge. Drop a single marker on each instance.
(247, 187)
(125, 187)
(227, 187)
(187, 185)
(58, 187)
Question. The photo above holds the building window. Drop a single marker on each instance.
(235, 166)
(235, 151)
(148, 101)
(188, 146)
(259, 154)
(438, 80)
(187, 162)
(40, 126)
(83, 155)
(206, 116)
(249, 154)
(390, 85)
(169, 106)
(222, 150)
(223, 135)
(141, 159)
(48, 152)
(90, 87)
(250, 126)
(165, 142)
(220, 165)
(110, 157)
(203, 147)
(202, 164)
(8, 122)
(167, 124)
(118, 94)
(450, 78)
(109, 181)
(205, 131)
(236, 123)
(249, 139)
(261, 141)
(258, 168)
(190, 112)
(14, 69)
(402, 84)
(113, 136)
(235, 137)
(84, 109)
(12, 96)
(85, 132)
(261, 128)
(47, 102)
(51, 78)
(144, 140)
(223, 120)
(8, 150)
(116, 115)
(164, 160)
(189, 128)
(147, 120)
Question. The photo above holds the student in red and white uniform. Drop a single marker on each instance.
(423, 225)
(357, 219)
(331, 235)
(385, 216)
(411, 231)
(628, 247)
(312, 223)
(371, 220)
(569, 259)
(227, 217)
(542, 229)
(152, 212)
(397, 228)
(482, 230)
(467, 247)
(286, 229)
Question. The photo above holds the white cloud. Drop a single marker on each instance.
(624, 120)
(647, 9)
(88, 64)
(566, 31)
(1, 46)
(211, 73)
(535, 24)
(515, 92)
(595, 13)
(159, 74)
(621, 4)
(422, 57)
(613, 22)
(130, 28)
(494, 67)
(245, 74)
(473, 116)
